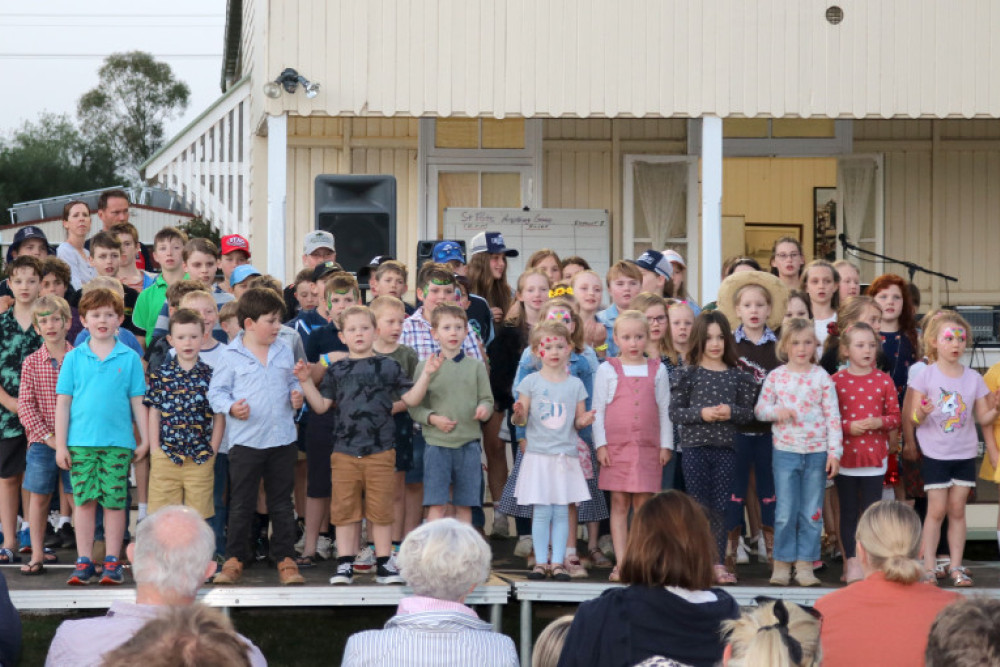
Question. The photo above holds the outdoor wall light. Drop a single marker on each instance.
(289, 79)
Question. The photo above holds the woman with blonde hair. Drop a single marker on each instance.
(776, 633)
(855, 630)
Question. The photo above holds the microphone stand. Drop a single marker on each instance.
(910, 266)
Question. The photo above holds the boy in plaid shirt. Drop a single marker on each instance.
(36, 405)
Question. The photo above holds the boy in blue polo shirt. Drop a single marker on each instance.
(98, 395)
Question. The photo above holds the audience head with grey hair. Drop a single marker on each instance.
(965, 634)
(443, 561)
(171, 558)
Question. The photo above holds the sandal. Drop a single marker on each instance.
(598, 559)
(724, 577)
(559, 572)
(8, 557)
(930, 577)
(33, 569)
(304, 562)
(960, 577)
(614, 577)
(538, 572)
(49, 556)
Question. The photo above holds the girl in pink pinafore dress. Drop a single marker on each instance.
(632, 430)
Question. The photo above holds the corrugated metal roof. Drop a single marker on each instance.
(776, 58)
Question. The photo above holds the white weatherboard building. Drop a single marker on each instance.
(710, 126)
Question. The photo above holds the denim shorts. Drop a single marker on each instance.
(460, 468)
(41, 472)
(941, 474)
(415, 475)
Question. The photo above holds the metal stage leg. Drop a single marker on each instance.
(496, 617)
(525, 632)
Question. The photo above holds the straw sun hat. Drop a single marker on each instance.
(731, 285)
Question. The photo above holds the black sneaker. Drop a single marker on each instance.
(52, 539)
(67, 536)
(261, 547)
(388, 574)
(344, 575)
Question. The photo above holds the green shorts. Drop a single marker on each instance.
(101, 474)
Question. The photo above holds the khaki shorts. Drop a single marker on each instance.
(373, 476)
(101, 474)
(186, 484)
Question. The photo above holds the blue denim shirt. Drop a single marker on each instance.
(580, 366)
(607, 317)
(266, 389)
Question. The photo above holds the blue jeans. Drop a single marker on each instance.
(753, 450)
(799, 483)
(221, 497)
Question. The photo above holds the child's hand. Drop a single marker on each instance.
(910, 452)
(859, 427)
(433, 363)
(520, 417)
(783, 415)
(603, 457)
(586, 420)
(140, 452)
(497, 314)
(708, 414)
(442, 423)
(992, 400)
(240, 410)
(483, 413)
(925, 407)
(63, 458)
(301, 371)
(723, 412)
(5, 303)
(665, 456)
(832, 467)
(296, 399)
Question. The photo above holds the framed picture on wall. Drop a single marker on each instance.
(825, 223)
(759, 238)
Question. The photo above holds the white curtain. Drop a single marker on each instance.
(661, 189)
(856, 180)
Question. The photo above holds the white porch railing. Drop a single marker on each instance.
(208, 162)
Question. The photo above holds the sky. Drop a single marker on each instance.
(50, 50)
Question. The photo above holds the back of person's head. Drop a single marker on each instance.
(549, 645)
(105, 282)
(257, 302)
(889, 534)
(184, 636)
(173, 548)
(670, 544)
(181, 288)
(444, 559)
(965, 634)
(774, 634)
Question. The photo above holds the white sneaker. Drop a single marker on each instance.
(501, 526)
(524, 547)
(301, 544)
(365, 560)
(762, 548)
(742, 554)
(324, 548)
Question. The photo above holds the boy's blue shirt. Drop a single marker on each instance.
(101, 412)
(266, 389)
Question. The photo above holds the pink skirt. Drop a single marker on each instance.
(547, 479)
(635, 468)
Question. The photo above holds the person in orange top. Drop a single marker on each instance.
(885, 618)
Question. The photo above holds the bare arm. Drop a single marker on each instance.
(141, 417)
(218, 430)
(63, 404)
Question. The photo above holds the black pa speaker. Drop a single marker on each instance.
(425, 248)
(360, 212)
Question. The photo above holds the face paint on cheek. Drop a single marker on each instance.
(541, 353)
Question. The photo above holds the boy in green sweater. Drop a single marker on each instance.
(457, 399)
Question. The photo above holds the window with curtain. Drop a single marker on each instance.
(660, 211)
(856, 180)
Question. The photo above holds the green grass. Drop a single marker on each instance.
(287, 636)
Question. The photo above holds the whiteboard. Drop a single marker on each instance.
(568, 231)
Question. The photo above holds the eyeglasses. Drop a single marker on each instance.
(782, 256)
(657, 320)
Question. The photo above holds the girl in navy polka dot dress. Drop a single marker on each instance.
(869, 411)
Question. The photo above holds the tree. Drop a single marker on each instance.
(127, 110)
(199, 228)
(48, 158)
